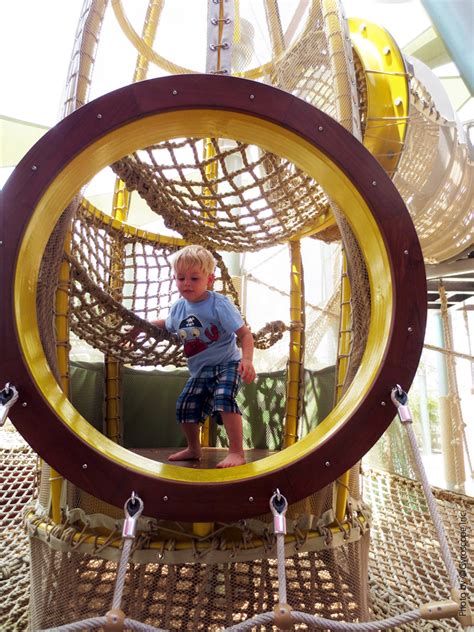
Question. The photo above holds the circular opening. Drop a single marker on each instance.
(289, 128)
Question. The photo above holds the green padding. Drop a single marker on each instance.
(87, 391)
(149, 398)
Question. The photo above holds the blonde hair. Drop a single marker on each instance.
(190, 256)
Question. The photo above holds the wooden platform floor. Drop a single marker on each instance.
(209, 459)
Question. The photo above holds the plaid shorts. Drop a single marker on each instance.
(213, 391)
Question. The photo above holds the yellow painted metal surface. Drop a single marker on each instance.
(295, 359)
(61, 322)
(387, 91)
(200, 123)
(337, 57)
(120, 210)
(345, 336)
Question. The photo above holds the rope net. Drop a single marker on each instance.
(100, 316)
(403, 565)
(257, 199)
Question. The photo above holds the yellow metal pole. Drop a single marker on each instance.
(295, 361)
(211, 174)
(120, 210)
(274, 27)
(337, 57)
(61, 308)
(113, 367)
(345, 342)
(345, 331)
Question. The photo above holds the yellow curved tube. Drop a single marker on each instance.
(387, 92)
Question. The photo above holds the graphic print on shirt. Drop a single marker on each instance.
(190, 330)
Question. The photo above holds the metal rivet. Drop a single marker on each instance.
(405, 252)
(1, 243)
(374, 183)
(84, 466)
(34, 168)
(320, 128)
(24, 404)
(410, 329)
(250, 499)
(99, 116)
(386, 50)
(398, 101)
(252, 97)
(175, 92)
(383, 403)
(363, 27)
(165, 499)
(328, 463)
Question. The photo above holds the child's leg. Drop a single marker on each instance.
(188, 413)
(233, 426)
(193, 451)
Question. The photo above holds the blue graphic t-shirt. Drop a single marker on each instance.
(207, 329)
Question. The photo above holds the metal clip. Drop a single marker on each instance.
(8, 397)
(214, 47)
(133, 510)
(400, 400)
(278, 506)
(216, 21)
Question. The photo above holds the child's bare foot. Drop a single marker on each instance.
(232, 459)
(188, 454)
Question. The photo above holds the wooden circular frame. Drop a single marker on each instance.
(203, 105)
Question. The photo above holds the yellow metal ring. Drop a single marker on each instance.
(169, 108)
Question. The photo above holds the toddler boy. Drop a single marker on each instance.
(209, 326)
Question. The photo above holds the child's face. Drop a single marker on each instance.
(193, 283)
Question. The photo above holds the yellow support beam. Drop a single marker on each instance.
(61, 321)
(112, 366)
(296, 346)
(120, 211)
(338, 60)
(345, 343)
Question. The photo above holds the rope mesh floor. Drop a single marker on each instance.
(17, 488)
(405, 567)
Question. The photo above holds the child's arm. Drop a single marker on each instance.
(134, 332)
(160, 323)
(246, 368)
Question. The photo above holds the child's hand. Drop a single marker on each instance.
(247, 371)
(130, 336)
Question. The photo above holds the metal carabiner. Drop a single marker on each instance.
(8, 396)
(133, 509)
(400, 400)
(278, 507)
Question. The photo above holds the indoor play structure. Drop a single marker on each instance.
(333, 137)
